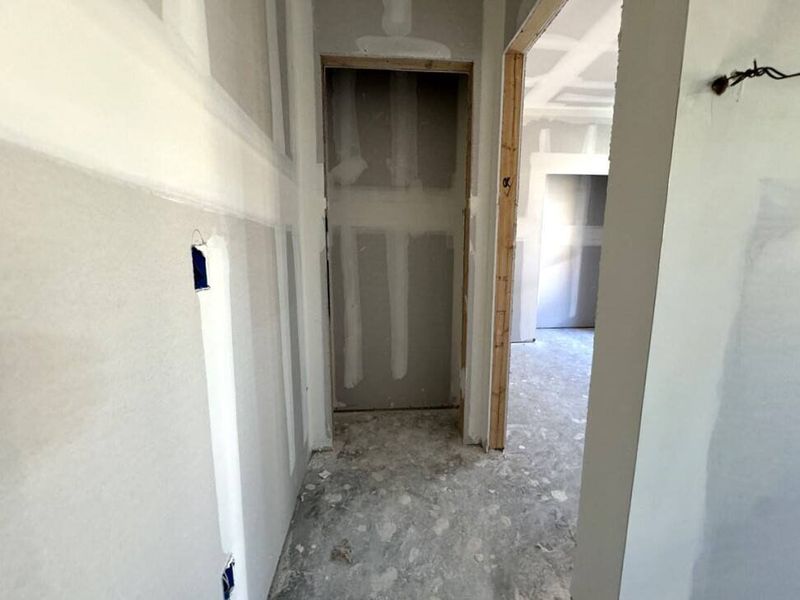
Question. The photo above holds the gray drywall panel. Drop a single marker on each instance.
(395, 183)
(155, 5)
(427, 383)
(570, 254)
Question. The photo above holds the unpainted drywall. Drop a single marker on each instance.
(470, 31)
(117, 145)
(155, 5)
(516, 13)
(548, 148)
(396, 190)
(714, 508)
(572, 231)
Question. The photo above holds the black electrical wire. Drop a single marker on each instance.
(723, 82)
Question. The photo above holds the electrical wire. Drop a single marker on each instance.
(723, 82)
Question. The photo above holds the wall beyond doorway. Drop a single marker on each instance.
(572, 230)
(396, 163)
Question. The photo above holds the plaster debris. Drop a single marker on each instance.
(342, 552)
(559, 495)
(386, 531)
(442, 524)
(300, 548)
(412, 449)
(405, 500)
(324, 474)
(310, 487)
(333, 498)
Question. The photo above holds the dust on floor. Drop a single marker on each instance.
(401, 509)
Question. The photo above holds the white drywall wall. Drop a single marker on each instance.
(708, 409)
(717, 457)
(116, 145)
(641, 151)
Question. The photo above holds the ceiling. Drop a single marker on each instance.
(571, 70)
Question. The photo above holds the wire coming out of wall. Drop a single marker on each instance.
(721, 84)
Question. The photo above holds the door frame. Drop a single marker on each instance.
(416, 65)
(535, 24)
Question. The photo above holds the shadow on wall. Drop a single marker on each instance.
(751, 542)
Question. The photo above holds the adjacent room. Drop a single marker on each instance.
(569, 80)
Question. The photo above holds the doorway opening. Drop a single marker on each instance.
(397, 165)
(559, 83)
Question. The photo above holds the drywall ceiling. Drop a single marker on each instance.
(571, 70)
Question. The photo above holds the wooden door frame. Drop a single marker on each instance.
(456, 67)
(537, 22)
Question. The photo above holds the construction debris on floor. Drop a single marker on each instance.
(401, 509)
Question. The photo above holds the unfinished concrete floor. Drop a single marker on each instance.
(400, 509)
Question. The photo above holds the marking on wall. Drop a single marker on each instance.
(286, 343)
(217, 331)
(353, 360)
(397, 272)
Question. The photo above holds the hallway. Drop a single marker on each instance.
(400, 509)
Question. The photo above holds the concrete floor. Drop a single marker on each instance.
(400, 509)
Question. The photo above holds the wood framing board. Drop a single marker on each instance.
(396, 64)
(538, 20)
(513, 87)
(465, 277)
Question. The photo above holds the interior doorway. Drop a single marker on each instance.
(397, 148)
(559, 85)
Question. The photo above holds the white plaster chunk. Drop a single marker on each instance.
(386, 531)
(442, 525)
(559, 495)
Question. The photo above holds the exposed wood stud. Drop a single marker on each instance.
(513, 86)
